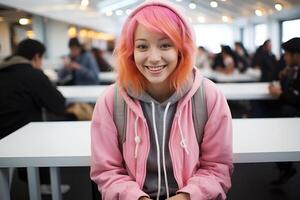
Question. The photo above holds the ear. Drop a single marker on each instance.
(296, 56)
(34, 61)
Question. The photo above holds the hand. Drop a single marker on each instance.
(71, 65)
(180, 196)
(284, 73)
(275, 91)
(82, 111)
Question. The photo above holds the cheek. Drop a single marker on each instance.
(138, 58)
(172, 57)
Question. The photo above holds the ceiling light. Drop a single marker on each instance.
(30, 34)
(84, 3)
(24, 21)
(83, 33)
(192, 5)
(109, 13)
(223, 0)
(225, 18)
(128, 11)
(119, 12)
(258, 12)
(278, 6)
(179, 0)
(201, 19)
(72, 32)
(214, 4)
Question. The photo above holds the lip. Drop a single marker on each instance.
(155, 69)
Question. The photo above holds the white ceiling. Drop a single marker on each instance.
(95, 17)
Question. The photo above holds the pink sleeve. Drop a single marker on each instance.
(107, 169)
(212, 180)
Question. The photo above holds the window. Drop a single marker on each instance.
(260, 34)
(290, 29)
(211, 36)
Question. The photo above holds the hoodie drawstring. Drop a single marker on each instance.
(182, 141)
(163, 152)
(158, 151)
(137, 139)
(182, 144)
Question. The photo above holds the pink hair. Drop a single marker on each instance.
(162, 20)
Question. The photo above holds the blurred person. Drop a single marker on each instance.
(288, 93)
(242, 56)
(103, 65)
(225, 61)
(26, 91)
(266, 61)
(80, 67)
(202, 60)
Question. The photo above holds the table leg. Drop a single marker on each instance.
(4, 184)
(34, 183)
(55, 183)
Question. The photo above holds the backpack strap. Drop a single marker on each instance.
(199, 111)
(119, 116)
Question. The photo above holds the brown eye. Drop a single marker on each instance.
(141, 47)
(165, 46)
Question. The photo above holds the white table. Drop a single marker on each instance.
(232, 91)
(57, 144)
(44, 144)
(82, 93)
(251, 75)
(108, 77)
(245, 91)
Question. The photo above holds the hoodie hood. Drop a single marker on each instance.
(191, 90)
(146, 98)
(176, 9)
(14, 61)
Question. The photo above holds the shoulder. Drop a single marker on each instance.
(106, 100)
(210, 86)
(214, 96)
(38, 75)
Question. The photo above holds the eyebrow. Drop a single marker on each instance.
(164, 38)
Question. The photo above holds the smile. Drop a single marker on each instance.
(155, 69)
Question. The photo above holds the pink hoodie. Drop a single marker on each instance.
(205, 176)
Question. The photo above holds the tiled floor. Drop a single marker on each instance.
(250, 182)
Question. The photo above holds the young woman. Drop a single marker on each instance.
(160, 157)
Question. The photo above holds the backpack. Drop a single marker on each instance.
(199, 112)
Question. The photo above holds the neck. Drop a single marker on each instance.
(160, 92)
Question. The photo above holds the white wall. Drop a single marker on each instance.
(4, 40)
(56, 34)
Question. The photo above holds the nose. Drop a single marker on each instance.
(154, 56)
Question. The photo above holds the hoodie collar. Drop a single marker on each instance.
(14, 61)
(134, 104)
(176, 96)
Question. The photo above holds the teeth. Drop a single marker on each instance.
(155, 68)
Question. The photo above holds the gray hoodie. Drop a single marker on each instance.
(151, 181)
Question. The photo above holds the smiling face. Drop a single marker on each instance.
(155, 56)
